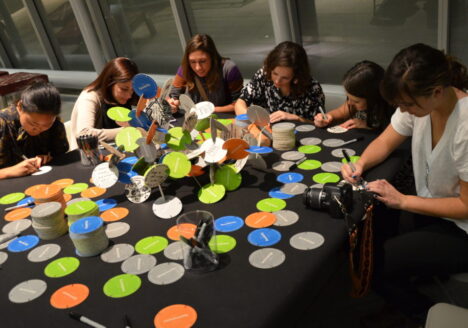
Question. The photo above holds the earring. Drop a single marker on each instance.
(295, 81)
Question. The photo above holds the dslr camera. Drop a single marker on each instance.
(336, 199)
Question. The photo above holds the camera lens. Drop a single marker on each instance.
(313, 197)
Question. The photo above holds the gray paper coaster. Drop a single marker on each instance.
(75, 200)
(174, 251)
(292, 155)
(333, 142)
(117, 229)
(332, 166)
(3, 257)
(27, 291)
(5, 244)
(310, 141)
(339, 152)
(16, 226)
(305, 128)
(317, 186)
(166, 273)
(337, 129)
(306, 240)
(267, 258)
(138, 264)
(285, 218)
(294, 188)
(43, 253)
(117, 253)
(282, 166)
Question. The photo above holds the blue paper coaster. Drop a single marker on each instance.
(242, 117)
(276, 193)
(139, 122)
(86, 225)
(264, 237)
(259, 150)
(228, 223)
(27, 200)
(106, 204)
(23, 243)
(144, 86)
(130, 160)
(161, 130)
(126, 177)
(290, 177)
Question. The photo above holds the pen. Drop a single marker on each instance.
(18, 206)
(352, 140)
(85, 320)
(299, 162)
(348, 159)
(324, 116)
(127, 322)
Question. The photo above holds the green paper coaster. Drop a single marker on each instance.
(309, 149)
(61, 267)
(75, 188)
(79, 208)
(119, 114)
(224, 122)
(127, 137)
(326, 177)
(309, 164)
(178, 164)
(11, 198)
(211, 193)
(228, 177)
(222, 243)
(203, 124)
(177, 138)
(353, 159)
(122, 285)
(271, 204)
(151, 245)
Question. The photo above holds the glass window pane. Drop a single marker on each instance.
(242, 30)
(339, 33)
(18, 36)
(145, 31)
(62, 24)
(458, 28)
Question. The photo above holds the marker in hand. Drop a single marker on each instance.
(360, 181)
(324, 116)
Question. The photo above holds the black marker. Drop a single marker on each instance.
(299, 162)
(352, 140)
(85, 320)
(127, 322)
(348, 159)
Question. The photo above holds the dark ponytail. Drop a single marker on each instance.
(459, 73)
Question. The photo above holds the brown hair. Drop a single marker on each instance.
(202, 42)
(117, 70)
(293, 55)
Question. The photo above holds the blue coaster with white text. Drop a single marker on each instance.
(290, 177)
(228, 223)
(264, 237)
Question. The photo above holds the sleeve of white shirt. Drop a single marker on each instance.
(460, 151)
(403, 123)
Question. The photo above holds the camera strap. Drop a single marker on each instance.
(361, 274)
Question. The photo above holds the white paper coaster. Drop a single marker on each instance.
(282, 166)
(310, 141)
(174, 251)
(285, 218)
(333, 142)
(214, 151)
(306, 240)
(166, 273)
(294, 188)
(117, 229)
(16, 227)
(267, 258)
(27, 291)
(332, 166)
(43, 170)
(305, 128)
(292, 155)
(138, 264)
(167, 208)
(44, 253)
(339, 152)
(117, 253)
(337, 129)
(3, 257)
(105, 176)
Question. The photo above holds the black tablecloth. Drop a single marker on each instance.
(236, 295)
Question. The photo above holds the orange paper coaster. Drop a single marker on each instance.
(196, 171)
(114, 214)
(93, 192)
(185, 229)
(176, 316)
(46, 192)
(18, 214)
(236, 148)
(260, 219)
(33, 189)
(67, 197)
(62, 183)
(69, 296)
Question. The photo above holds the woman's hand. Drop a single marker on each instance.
(43, 159)
(280, 115)
(174, 103)
(26, 167)
(386, 193)
(320, 121)
(352, 174)
(354, 123)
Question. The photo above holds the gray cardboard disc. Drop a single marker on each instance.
(267, 258)
(44, 252)
(105, 176)
(258, 115)
(166, 273)
(175, 251)
(240, 163)
(75, 200)
(292, 155)
(27, 291)
(282, 166)
(285, 218)
(137, 192)
(294, 188)
(117, 253)
(16, 226)
(310, 141)
(148, 151)
(333, 142)
(317, 186)
(168, 207)
(305, 128)
(332, 166)
(5, 244)
(138, 264)
(337, 129)
(306, 240)
(283, 126)
(3, 257)
(46, 210)
(339, 152)
(156, 175)
(117, 229)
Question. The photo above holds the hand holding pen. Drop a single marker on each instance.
(352, 172)
(321, 120)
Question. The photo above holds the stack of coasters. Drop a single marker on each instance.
(89, 236)
(48, 220)
(242, 120)
(49, 193)
(283, 136)
(80, 210)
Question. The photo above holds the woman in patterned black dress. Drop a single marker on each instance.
(284, 86)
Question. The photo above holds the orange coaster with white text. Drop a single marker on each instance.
(93, 192)
(185, 229)
(260, 219)
(69, 296)
(114, 214)
(176, 316)
(18, 214)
